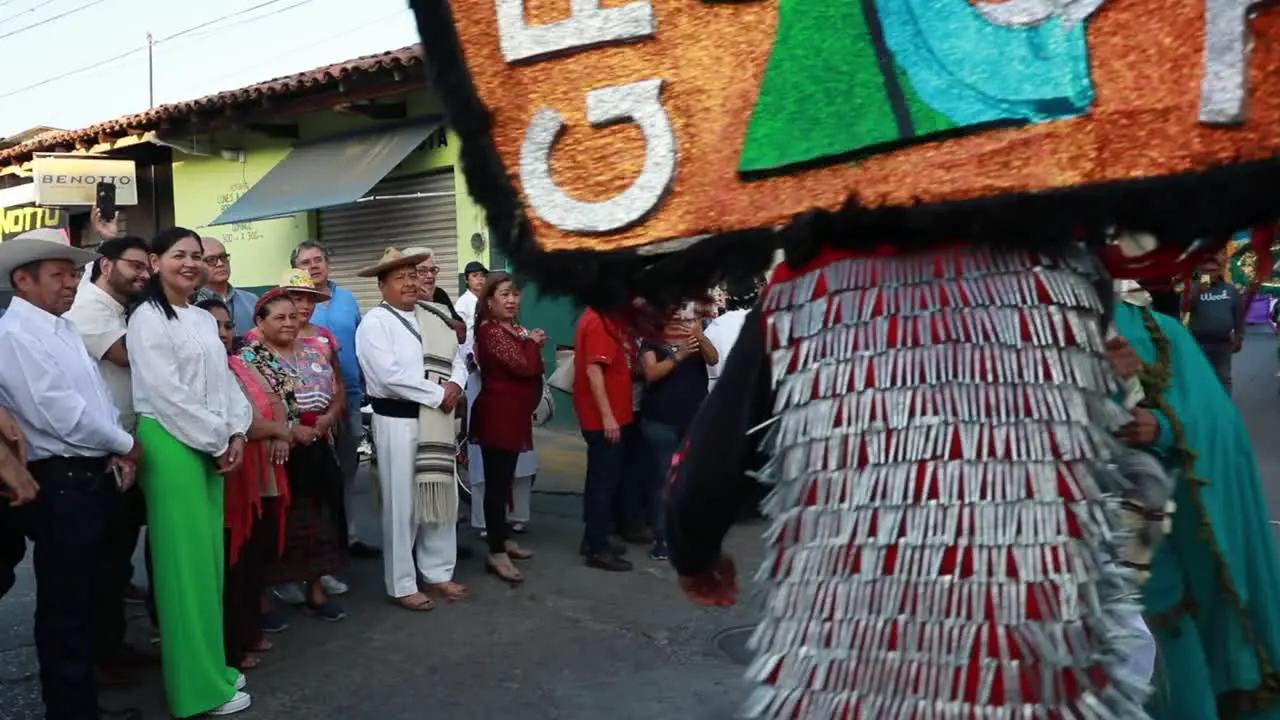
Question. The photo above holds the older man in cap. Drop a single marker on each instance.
(78, 453)
(414, 374)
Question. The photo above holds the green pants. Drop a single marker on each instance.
(184, 518)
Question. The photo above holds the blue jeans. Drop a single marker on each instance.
(606, 463)
(664, 440)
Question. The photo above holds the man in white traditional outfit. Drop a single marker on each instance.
(414, 372)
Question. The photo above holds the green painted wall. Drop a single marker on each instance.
(204, 184)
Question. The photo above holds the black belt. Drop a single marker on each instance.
(69, 464)
(387, 407)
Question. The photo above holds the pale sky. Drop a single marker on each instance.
(279, 37)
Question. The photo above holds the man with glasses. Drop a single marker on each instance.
(99, 313)
(240, 303)
(429, 291)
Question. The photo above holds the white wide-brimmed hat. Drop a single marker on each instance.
(37, 245)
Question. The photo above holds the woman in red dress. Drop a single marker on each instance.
(510, 361)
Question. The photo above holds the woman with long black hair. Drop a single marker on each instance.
(192, 423)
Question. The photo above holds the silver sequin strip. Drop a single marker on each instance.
(943, 508)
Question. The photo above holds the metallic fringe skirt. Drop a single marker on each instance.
(944, 509)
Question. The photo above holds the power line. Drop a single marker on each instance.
(72, 73)
(129, 53)
(308, 46)
(31, 9)
(73, 11)
(255, 18)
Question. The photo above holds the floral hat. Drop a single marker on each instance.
(294, 281)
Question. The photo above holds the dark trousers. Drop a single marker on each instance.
(606, 464)
(1220, 355)
(630, 505)
(13, 545)
(499, 471)
(663, 441)
(124, 523)
(246, 581)
(68, 526)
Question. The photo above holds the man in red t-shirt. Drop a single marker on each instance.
(602, 396)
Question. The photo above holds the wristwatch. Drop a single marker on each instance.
(239, 435)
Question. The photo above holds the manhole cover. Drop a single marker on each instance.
(733, 643)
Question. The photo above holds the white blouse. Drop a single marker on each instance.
(181, 378)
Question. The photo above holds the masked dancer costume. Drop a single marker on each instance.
(925, 381)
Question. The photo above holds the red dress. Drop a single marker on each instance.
(510, 388)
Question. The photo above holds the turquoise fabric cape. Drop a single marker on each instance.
(1213, 600)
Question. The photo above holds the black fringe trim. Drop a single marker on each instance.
(1177, 209)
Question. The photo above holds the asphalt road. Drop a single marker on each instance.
(571, 644)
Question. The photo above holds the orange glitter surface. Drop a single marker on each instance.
(1146, 59)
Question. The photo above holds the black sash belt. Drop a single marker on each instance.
(387, 407)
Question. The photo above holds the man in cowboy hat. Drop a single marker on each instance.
(414, 372)
(77, 452)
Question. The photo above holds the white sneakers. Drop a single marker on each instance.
(238, 703)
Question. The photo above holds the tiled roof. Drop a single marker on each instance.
(301, 83)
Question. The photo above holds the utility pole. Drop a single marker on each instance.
(151, 71)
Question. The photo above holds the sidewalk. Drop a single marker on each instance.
(562, 461)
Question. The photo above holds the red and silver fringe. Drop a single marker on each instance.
(944, 513)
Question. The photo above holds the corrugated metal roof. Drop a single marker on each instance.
(301, 83)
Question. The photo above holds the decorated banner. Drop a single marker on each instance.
(652, 122)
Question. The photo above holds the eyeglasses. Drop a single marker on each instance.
(215, 260)
(137, 265)
(431, 270)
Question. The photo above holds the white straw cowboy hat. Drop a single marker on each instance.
(37, 245)
(392, 259)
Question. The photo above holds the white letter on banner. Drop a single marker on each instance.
(640, 103)
(587, 26)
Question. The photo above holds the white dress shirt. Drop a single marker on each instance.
(723, 334)
(100, 319)
(49, 381)
(182, 380)
(391, 360)
(466, 308)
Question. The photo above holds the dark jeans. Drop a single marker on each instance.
(630, 505)
(499, 471)
(123, 525)
(663, 441)
(246, 581)
(68, 526)
(1220, 355)
(605, 468)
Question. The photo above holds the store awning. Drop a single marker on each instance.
(328, 172)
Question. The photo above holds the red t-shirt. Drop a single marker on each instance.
(599, 342)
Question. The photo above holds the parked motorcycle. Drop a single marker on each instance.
(368, 452)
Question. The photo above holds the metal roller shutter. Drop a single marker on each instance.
(357, 234)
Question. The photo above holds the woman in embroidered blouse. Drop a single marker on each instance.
(192, 422)
(510, 361)
(301, 374)
(256, 498)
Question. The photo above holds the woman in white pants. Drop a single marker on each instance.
(521, 487)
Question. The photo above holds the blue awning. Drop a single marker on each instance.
(328, 172)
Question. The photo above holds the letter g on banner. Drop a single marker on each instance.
(640, 103)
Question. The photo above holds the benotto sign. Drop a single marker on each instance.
(63, 180)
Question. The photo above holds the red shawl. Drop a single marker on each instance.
(244, 487)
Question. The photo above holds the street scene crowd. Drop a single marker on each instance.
(147, 399)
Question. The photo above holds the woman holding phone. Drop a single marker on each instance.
(675, 368)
